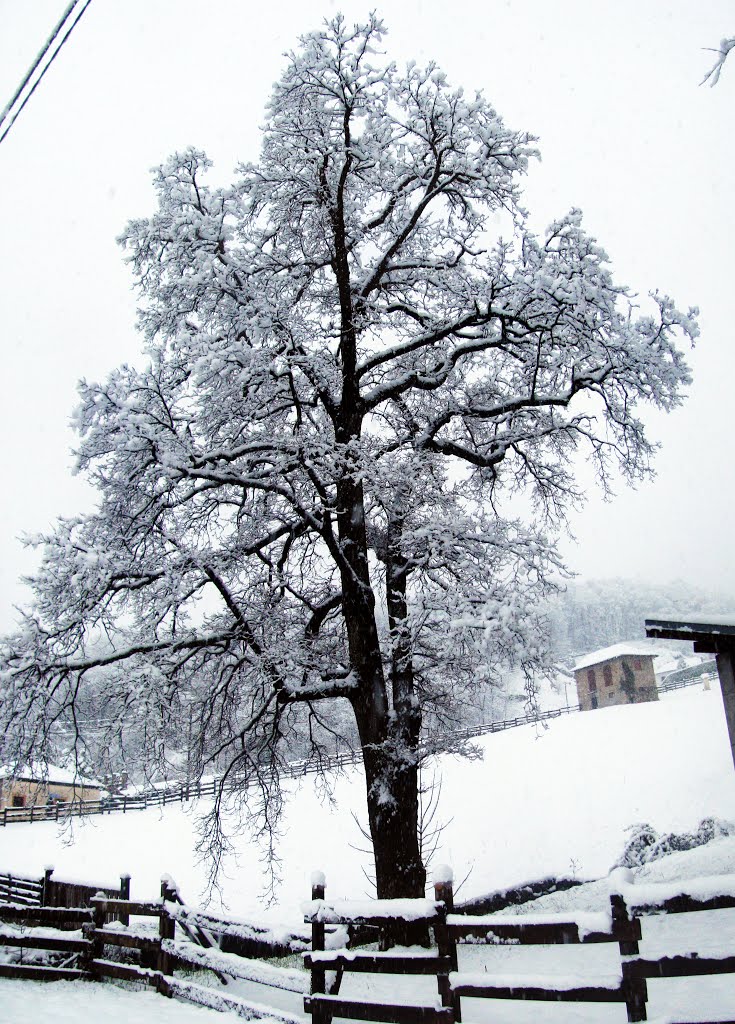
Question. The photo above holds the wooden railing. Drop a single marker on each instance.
(96, 936)
(620, 925)
(180, 792)
(21, 890)
(48, 891)
(184, 791)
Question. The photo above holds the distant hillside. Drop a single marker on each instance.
(542, 801)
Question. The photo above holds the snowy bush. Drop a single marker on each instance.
(644, 844)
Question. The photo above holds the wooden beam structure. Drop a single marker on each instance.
(710, 634)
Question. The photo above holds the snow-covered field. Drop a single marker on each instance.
(542, 801)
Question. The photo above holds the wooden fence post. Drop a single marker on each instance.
(124, 895)
(166, 930)
(318, 974)
(97, 949)
(46, 897)
(446, 945)
(636, 990)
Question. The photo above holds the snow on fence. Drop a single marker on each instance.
(69, 942)
(22, 890)
(54, 937)
(621, 925)
(54, 892)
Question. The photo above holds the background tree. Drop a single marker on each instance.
(302, 497)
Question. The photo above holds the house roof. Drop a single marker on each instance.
(39, 772)
(629, 650)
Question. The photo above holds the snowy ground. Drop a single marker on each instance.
(542, 801)
(69, 1002)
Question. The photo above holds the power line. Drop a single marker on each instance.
(37, 61)
(69, 10)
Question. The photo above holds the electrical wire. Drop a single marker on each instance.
(38, 60)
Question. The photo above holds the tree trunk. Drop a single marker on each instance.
(392, 797)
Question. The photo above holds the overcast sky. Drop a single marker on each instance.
(612, 91)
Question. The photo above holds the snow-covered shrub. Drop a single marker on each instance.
(644, 844)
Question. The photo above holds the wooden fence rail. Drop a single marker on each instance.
(90, 937)
(184, 791)
(621, 925)
(48, 891)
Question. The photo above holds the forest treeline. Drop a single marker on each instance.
(595, 613)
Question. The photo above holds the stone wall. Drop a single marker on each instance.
(626, 679)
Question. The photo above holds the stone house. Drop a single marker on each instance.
(37, 785)
(622, 674)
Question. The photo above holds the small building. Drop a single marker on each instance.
(622, 674)
(37, 785)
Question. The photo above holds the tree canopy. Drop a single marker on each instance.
(355, 353)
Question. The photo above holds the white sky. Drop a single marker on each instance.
(625, 132)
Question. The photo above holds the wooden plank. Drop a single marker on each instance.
(565, 933)
(49, 916)
(20, 885)
(678, 966)
(583, 994)
(216, 999)
(378, 921)
(151, 908)
(14, 897)
(541, 934)
(684, 904)
(125, 972)
(46, 942)
(150, 943)
(391, 1013)
(242, 968)
(379, 963)
(41, 973)
(21, 878)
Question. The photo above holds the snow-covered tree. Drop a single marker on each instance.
(301, 497)
(713, 75)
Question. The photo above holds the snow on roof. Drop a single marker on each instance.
(629, 650)
(39, 772)
(696, 622)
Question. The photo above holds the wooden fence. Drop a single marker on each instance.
(621, 925)
(86, 942)
(171, 793)
(184, 791)
(180, 792)
(48, 891)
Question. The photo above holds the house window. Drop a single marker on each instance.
(19, 801)
(607, 675)
(637, 664)
(591, 681)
